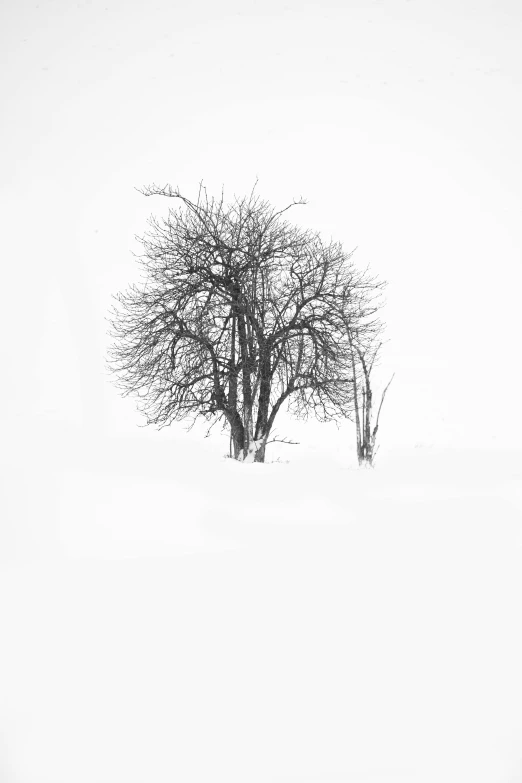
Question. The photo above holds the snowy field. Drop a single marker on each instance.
(170, 615)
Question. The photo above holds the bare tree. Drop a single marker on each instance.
(239, 313)
(365, 346)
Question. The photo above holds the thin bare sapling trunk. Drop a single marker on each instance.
(366, 425)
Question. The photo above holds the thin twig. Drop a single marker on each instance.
(284, 440)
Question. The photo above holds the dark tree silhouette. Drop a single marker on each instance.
(365, 347)
(239, 313)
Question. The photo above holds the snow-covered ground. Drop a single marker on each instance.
(170, 615)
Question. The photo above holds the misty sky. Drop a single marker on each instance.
(400, 121)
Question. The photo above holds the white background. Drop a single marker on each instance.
(400, 122)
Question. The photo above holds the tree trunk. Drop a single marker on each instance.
(356, 401)
(246, 384)
(260, 452)
(262, 428)
(238, 447)
(237, 432)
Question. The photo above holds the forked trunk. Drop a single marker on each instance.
(251, 450)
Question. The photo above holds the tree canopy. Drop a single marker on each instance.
(239, 312)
